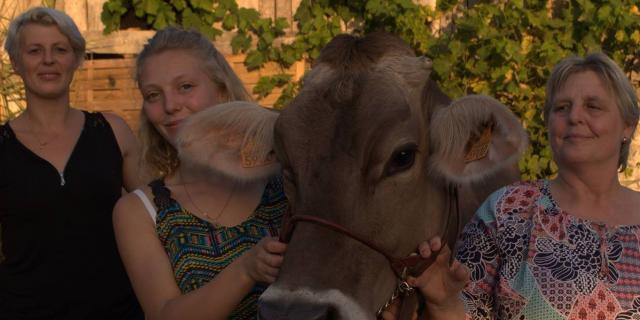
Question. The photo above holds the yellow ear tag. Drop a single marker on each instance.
(249, 156)
(478, 149)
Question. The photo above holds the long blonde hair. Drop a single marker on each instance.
(159, 158)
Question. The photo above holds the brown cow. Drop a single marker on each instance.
(372, 145)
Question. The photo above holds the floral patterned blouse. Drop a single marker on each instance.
(529, 259)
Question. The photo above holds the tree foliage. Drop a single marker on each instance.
(207, 16)
(505, 48)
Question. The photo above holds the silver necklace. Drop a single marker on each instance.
(219, 215)
(41, 143)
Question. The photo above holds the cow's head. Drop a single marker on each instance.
(373, 145)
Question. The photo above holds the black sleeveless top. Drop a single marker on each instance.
(61, 260)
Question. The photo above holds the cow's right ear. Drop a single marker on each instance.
(474, 138)
(234, 139)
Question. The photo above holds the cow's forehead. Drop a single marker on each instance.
(313, 125)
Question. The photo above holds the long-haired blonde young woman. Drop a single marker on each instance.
(197, 242)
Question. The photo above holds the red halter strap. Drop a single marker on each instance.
(400, 266)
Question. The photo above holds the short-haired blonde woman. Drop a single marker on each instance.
(567, 248)
(61, 172)
(198, 242)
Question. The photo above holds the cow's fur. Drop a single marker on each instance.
(234, 139)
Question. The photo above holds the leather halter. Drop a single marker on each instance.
(412, 265)
(400, 266)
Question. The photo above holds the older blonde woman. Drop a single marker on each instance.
(566, 248)
(61, 172)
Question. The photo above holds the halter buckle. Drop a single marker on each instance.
(405, 289)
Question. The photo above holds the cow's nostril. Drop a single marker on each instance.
(332, 313)
(297, 311)
(315, 312)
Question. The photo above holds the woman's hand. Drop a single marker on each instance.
(442, 282)
(392, 312)
(263, 261)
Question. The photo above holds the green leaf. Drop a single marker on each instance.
(180, 5)
(254, 60)
(151, 6)
(240, 42)
(249, 15)
(604, 13)
(263, 88)
(165, 16)
(229, 22)
(635, 36)
(202, 4)
(111, 13)
(191, 20)
(113, 6)
(456, 48)
(281, 24)
(230, 5)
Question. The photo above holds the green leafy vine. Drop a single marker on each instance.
(504, 48)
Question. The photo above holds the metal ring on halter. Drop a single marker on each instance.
(405, 288)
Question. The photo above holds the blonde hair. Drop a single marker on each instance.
(615, 80)
(159, 157)
(46, 17)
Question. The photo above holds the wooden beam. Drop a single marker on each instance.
(118, 42)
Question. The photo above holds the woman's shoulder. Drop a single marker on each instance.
(516, 199)
(118, 126)
(114, 120)
(527, 189)
(133, 207)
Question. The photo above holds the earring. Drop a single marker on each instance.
(624, 140)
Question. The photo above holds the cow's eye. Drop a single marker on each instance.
(402, 159)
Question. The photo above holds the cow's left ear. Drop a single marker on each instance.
(474, 138)
(234, 139)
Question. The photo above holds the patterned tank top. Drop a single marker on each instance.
(198, 250)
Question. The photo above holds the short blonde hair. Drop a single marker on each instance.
(46, 17)
(615, 80)
(159, 157)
